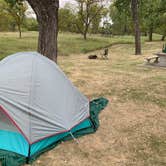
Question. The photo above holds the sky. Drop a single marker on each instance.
(30, 13)
(62, 2)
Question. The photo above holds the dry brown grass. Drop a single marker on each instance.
(133, 126)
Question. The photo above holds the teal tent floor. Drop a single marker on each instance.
(12, 159)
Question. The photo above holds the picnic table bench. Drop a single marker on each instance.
(155, 58)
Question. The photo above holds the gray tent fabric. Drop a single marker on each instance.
(38, 98)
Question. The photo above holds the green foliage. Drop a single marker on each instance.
(89, 16)
(7, 22)
(96, 21)
(121, 17)
(31, 24)
(16, 9)
(151, 16)
(106, 29)
(67, 19)
(150, 13)
(86, 18)
(161, 29)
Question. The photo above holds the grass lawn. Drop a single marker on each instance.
(68, 43)
(133, 127)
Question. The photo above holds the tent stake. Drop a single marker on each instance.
(76, 140)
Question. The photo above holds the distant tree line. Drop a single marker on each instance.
(13, 18)
(83, 19)
(88, 17)
(152, 17)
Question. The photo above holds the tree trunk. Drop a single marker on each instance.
(13, 27)
(145, 33)
(85, 31)
(163, 38)
(85, 35)
(150, 33)
(125, 30)
(134, 9)
(19, 29)
(47, 16)
(47, 44)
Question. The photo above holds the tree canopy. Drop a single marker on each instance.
(14, 12)
(151, 16)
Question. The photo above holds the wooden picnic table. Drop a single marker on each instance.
(160, 54)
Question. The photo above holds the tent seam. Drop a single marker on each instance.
(61, 131)
(30, 95)
(14, 123)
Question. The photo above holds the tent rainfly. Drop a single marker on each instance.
(40, 107)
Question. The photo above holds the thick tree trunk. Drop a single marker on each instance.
(134, 9)
(47, 16)
(47, 44)
(163, 38)
(150, 33)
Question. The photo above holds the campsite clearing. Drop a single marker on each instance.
(133, 126)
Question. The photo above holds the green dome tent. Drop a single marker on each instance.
(40, 107)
